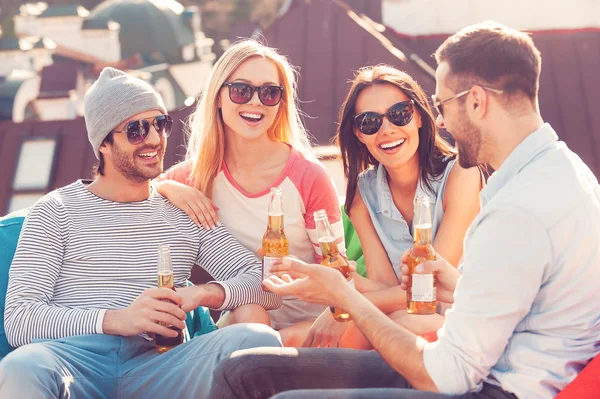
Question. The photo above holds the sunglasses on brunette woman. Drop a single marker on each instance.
(241, 93)
(137, 131)
(400, 114)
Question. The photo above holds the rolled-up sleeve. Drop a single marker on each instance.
(506, 253)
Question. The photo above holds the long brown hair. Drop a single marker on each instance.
(434, 151)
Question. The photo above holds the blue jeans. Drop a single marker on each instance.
(106, 366)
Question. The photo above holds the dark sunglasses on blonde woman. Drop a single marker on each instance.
(241, 93)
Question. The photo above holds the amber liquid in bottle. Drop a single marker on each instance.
(274, 243)
(332, 257)
(421, 293)
(165, 280)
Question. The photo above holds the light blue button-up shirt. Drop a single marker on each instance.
(526, 312)
(393, 231)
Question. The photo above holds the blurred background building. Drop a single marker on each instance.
(51, 52)
(57, 52)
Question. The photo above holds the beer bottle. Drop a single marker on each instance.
(421, 293)
(165, 279)
(274, 242)
(331, 256)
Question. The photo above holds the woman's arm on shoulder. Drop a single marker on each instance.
(174, 186)
(379, 267)
(461, 205)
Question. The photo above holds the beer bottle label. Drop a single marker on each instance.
(422, 288)
(268, 262)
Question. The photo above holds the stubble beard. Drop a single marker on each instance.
(124, 163)
(469, 149)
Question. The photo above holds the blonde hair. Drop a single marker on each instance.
(206, 145)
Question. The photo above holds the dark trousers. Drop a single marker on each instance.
(320, 373)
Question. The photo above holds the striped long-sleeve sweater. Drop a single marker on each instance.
(80, 255)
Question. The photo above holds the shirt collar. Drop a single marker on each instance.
(529, 148)
(385, 202)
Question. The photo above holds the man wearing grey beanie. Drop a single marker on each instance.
(85, 329)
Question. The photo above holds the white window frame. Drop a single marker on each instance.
(30, 192)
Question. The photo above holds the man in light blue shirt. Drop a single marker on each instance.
(525, 318)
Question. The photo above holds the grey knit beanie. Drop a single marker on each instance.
(112, 99)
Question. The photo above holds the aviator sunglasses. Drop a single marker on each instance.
(438, 104)
(241, 93)
(137, 131)
(400, 114)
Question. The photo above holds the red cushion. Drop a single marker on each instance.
(586, 385)
(430, 336)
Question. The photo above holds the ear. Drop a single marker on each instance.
(479, 103)
(418, 118)
(359, 136)
(219, 105)
(105, 149)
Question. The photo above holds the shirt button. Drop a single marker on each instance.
(385, 212)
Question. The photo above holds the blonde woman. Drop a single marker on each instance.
(247, 137)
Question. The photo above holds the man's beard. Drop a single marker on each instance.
(469, 146)
(124, 163)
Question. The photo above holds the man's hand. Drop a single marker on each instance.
(325, 332)
(446, 276)
(209, 295)
(146, 312)
(191, 296)
(311, 283)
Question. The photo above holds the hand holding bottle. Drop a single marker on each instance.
(150, 312)
(446, 276)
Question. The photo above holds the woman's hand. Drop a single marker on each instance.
(195, 204)
(325, 332)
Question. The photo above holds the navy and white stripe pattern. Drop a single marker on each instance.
(79, 255)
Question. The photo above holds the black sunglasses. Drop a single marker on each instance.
(137, 131)
(400, 114)
(241, 93)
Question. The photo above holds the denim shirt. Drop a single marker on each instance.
(526, 312)
(393, 231)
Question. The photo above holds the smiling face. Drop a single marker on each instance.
(393, 146)
(137, 163)
(253, 119)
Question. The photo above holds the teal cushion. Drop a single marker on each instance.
(198, 321)
(10, 228)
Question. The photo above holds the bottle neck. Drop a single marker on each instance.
(328, 246)
(422, 234)
(275, 222)
(165, 265)
(323, 229)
